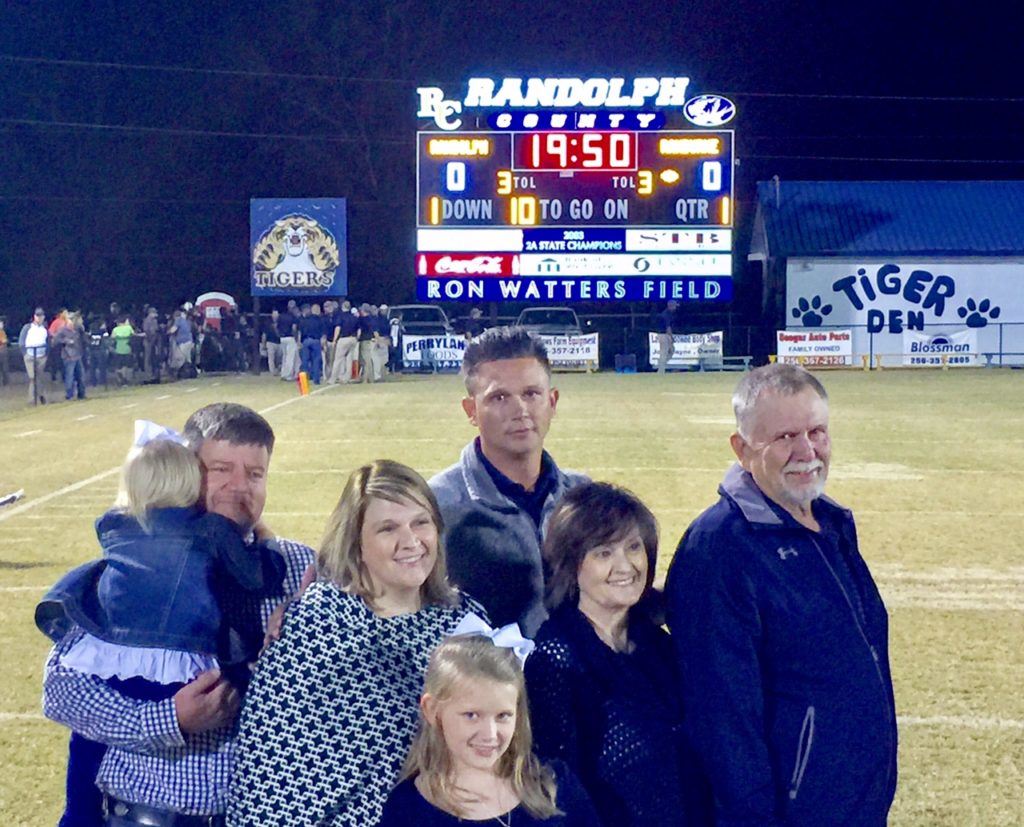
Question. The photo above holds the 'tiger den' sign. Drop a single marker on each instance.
(298, 247)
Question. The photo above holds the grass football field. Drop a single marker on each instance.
(932, 463)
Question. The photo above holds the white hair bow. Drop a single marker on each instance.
(146, 431)
(507, 637)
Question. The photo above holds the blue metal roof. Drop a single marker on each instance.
(859, 218)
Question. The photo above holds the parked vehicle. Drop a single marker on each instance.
(422, 319)
(550, 321)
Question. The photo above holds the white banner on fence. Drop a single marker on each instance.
(814, 347)
(958, 346)
(689, 349)
(433, 352)
(573, 352)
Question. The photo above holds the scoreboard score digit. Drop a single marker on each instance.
(551, 179)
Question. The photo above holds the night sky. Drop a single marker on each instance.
(132, 135)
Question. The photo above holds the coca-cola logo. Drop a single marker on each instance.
(478, 264)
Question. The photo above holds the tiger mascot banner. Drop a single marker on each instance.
(298, 247)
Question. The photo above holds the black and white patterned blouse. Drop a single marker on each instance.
(332, 710)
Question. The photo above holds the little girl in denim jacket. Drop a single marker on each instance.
(176, 593)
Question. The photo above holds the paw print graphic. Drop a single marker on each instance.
(978, 314)
(811, 313)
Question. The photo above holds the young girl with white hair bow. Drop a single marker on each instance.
(472, 758)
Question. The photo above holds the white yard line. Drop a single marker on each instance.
(191, 390)
(22, 716)
(23, 588)
(75, 486)
(29, 433)
(129, 405)
(165, 396)
(60, 492)
(83, 418)
(960, 721)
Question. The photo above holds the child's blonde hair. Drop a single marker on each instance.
(455, 661)
(159, 474)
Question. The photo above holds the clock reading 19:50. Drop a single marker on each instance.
(575, 151)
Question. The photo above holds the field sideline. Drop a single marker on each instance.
(932, 464)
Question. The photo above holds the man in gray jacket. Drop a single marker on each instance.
(497, 499)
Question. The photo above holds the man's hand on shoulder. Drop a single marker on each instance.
(208, 702)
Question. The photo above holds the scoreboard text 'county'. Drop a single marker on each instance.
(603, 201)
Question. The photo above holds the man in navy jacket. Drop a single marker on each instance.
(780, 632)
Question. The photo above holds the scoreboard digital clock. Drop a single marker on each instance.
(604, 206)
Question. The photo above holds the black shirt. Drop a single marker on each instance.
(349, 324)
(532, 502)
(285, 322)
(310, 327)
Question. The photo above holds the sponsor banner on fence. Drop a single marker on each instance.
(298, 247)
(467, 264)
(573, 352)
(443, 353)
(555, 289)
(590, 240)
(815, 347)
(689, 350)
(956, 348)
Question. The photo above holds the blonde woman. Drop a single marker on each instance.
(472, 760)
(331, 711)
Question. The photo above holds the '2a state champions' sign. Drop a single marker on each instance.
(570, 189)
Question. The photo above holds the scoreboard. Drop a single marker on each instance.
(596, 203)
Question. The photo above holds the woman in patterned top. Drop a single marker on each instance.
(604, 692)
(332, 707)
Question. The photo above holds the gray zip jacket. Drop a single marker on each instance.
(493, 546)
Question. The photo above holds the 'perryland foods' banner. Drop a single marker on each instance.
(689, 350)
(812, 348)
(958, 346)
(298, 247)
(882, 300)
(441, 353)
(444, 353)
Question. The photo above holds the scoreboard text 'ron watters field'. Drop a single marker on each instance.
(573, 189)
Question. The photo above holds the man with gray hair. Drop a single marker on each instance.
(780, 632)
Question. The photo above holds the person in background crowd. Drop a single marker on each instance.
(311, 332)
(780, 632)
(330, 321)
(151, 343)
(270, 338)
(54, 363)
(32, 342)
(122, 337)
(471, 762)
(5, 377)
(180, 340)
(497, 499)
(604, 692)
(366, 334)
(474, 324)
(71, 341)
(346, 344)
(348, 666)
(663, 326)
(169, 761)
(113, 318)
(381, 343)
(286, 329)
(395, 350)
(99, 351)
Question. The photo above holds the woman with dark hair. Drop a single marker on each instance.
(332, 707)
(603, 688)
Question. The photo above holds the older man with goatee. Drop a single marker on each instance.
(781, 635)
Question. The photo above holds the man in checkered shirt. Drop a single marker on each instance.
(169, 762)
